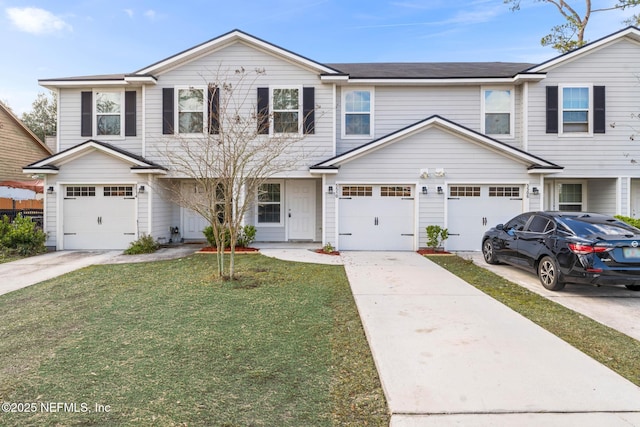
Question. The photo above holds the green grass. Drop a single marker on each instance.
(166, 344)
(613, 349)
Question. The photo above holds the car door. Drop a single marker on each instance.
(505, 244)
(532, 241)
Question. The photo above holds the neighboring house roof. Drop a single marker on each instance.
(534, 163)
(49, 164)
(19, 145)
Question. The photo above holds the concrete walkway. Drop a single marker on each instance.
(448, 354)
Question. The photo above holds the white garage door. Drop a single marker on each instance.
(473, 209)
(376, 217)
(98, 216)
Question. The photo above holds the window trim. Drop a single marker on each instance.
(95, 113)
(272, 110)
(343, 111)
(590, 117)
(176, 103)
(512, 111)
(282, 202)
(583, 201)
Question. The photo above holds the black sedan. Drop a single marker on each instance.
(568, 247)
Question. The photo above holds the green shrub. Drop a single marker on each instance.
(436, 235)
(144, 245)
(631, 221)
(21, 236)
(246, 236)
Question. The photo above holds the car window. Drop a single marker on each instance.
(517, 223)
(612, 228)
(539, 224)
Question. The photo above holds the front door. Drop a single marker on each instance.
(301, 209)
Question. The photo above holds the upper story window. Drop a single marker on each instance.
(357, 112)
(109, 110)
(498, 110)
(575, 110)
(110, 114)
(286, 108)
(191, 108)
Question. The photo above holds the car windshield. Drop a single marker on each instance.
(613, 228)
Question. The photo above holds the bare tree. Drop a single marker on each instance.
(570, 35)
(227, 165)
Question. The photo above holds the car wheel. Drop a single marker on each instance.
(633, 287)
(488, 252)
(549, 273)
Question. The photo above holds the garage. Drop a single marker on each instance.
(98, 216)
(376, 217)
(473, 209)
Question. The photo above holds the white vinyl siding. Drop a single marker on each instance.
(221, 66)
(69, 126)
(616, 67)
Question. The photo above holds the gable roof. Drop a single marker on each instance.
(534, 163)
(630, 32)
(148, 75)
(49, 165)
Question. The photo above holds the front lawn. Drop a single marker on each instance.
(165, 344)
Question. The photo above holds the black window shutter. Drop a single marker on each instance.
(552, 109)
(599, 124)
(167, 111)
(130, 113)
(214, 110)
(308, 109)
(263, 110)
(86, 119)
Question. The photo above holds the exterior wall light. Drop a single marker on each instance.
(425, 190)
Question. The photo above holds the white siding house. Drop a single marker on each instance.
(389, 149)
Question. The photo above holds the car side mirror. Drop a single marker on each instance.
(500, 227)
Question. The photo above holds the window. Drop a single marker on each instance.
(357, 191)
(81, 191)
(357, 112)
(539, 224)
(498, 111)
(570, 197)
(464, 191)
(270, 203)
(109, 113)
(121, 191)
(575, 110)
(504, 191)
(395, 191)
(286, 110)
(191, 107)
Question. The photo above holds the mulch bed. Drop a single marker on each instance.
(323, 252)
(431, 251)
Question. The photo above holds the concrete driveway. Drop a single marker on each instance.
(616, 307)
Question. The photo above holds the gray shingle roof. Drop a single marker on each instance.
(431, 70)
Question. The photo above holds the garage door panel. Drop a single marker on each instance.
(98, 217)
(376, 217)
(473, 209)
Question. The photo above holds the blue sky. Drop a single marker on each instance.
(49, 39)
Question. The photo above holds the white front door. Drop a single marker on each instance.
(301, 209)
(473, 209)
(193, 224)
(98, 216)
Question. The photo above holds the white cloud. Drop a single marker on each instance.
(36, 21)
(151, 14)
(129, 12)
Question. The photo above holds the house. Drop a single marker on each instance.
(20, 146)
(394, 147)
